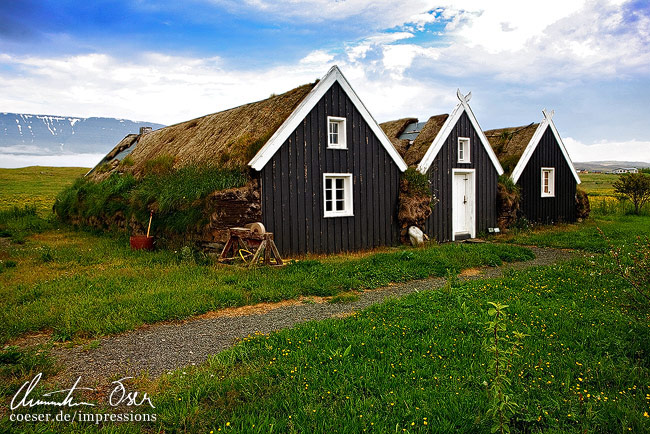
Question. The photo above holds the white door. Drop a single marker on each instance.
(463, 204)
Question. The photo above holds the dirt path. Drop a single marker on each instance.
(163, 347)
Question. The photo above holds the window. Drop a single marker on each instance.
(338, 194)
(336, 133)
(463, 150)
(548, 182)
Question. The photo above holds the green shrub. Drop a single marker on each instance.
(418, 183)
(508, 183)
(177, 197)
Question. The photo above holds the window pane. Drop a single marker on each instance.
(328, 194)
(328, 205)
(340, 205)
(328, 183)
(334, 133)
(339, 194)
(339, 183)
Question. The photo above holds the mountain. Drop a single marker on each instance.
(605, 166)
(58, 135)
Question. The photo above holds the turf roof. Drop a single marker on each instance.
(228, 139)
(412, 153)
(509, 144)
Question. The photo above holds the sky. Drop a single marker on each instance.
(170, 61)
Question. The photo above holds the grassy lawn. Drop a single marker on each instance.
(621, 229)
(598, 184)
(35, 186)
(419, 364)
(77, 284)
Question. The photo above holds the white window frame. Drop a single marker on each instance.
(347, 211)
(342, 130)
(551, 182)
(466, 146)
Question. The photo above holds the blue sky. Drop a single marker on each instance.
(171, 61)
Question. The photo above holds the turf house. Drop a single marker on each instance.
(311, 164)
(537, 161)
(461, 167)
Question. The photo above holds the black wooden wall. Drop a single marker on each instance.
(292, 185)
(560, 208)
(440, 223)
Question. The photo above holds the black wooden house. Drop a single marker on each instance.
(324, 177)
(329, 175)
(536, 159)
(462, 168)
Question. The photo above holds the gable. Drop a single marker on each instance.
(304, 108)
(547, 123)
(446, 129)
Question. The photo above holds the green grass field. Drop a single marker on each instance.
(417, 364)
(35, 186)
(598, 184)
(621, 229)
(79, 284)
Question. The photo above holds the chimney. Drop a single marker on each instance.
(145, 130)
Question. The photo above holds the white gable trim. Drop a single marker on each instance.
(450, 123)
(334, 75)
(534, 141)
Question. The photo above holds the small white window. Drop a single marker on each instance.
(548, 182)
(337, 193)
(463, 150)
(336, 133)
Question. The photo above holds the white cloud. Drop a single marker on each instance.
(317, 57)
(170, 89)
(559, 40)
(617, 151)
(154, 87)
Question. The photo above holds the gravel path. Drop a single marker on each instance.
(163, 347)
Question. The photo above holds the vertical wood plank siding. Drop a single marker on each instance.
(439, 224)
(560, 208)
(292, 185)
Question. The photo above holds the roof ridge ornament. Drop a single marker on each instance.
(462, 98)
(548, 115)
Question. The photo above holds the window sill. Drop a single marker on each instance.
(347, 214)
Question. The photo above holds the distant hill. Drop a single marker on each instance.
(605, 166)
(29, 134)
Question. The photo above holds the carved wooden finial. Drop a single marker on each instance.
(548, 115)
(463, 98)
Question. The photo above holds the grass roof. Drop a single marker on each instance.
(227, 139)
(412, 153)
(509, 144)
(394, 129)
